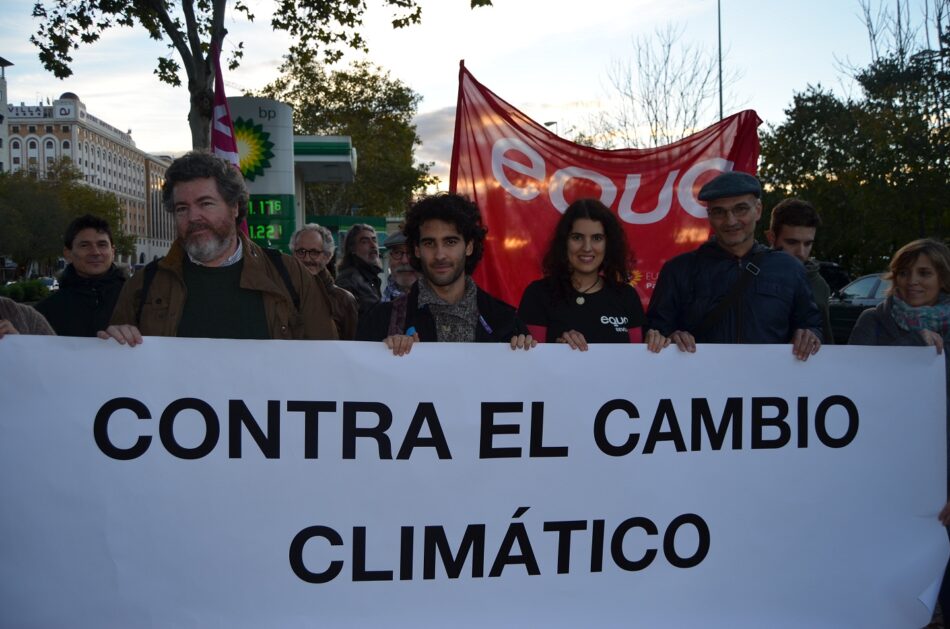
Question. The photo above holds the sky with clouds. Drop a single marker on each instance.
(549, 58)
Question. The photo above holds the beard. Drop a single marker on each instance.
(205, 242)
(313, 267)
(403, 275)
(447, 278)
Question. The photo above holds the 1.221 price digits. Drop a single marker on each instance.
(265, 232)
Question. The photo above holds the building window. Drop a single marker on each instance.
(65, 128)
(16, 160)
(15, 128)
(49, 128)
(65, 145)
(31, 145)
(15, 145)
(49, 145)
(32, 128)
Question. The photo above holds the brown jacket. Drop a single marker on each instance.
(167, 294)
(343, 305)
(26, 320)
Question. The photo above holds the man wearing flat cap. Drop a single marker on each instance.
(401, 274)
(733, 289)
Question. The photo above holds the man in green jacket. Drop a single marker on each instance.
(793, 229)
(215, 282)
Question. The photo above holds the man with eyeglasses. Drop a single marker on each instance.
(313, 245)
(733, 289)
(401, 274)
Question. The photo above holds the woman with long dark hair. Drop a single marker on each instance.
(584, 296)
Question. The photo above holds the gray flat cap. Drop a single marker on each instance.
(394, 239)
(730, 184)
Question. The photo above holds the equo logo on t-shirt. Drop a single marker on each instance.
(619, 323)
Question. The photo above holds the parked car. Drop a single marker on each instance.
(848, 303)
(834, 274)
(49, 282)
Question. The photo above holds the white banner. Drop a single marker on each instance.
(200, 483)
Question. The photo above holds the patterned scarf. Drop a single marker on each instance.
(935, 318)
(392, 291)
(454, 323)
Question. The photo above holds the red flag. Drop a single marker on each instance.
(223, 140)
(223, 143)
(523, 177)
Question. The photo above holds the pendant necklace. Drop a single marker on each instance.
(580, 298)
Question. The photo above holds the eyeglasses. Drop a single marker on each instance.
(313, 253)
(399, 254)
(740, 211)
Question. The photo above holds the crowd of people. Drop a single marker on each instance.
(217, 283)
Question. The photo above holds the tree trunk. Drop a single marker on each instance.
(202, 104)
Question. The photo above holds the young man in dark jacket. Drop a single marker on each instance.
(792, 229)
(445, 238)
(90, 285)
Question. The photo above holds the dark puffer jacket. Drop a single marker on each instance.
(775, 303)
(82, 306)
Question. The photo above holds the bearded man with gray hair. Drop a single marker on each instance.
(215, 282)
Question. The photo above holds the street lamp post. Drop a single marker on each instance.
(719, 29)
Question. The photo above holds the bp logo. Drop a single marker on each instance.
(254, 147)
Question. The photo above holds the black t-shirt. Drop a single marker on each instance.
(606, 316)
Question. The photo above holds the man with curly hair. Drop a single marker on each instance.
(446, 240)
(215, 282)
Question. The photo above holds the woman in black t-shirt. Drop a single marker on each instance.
(584, 296)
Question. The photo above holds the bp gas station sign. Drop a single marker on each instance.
(276, 170)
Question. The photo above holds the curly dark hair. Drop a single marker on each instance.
(203, 165)
(450, 208)
(616, 266)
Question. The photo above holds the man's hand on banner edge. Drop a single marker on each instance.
(124, 334)
(523, 341)
(656, 342)
(401, 344)
(685, 341)
(805, 343)
(7, 328)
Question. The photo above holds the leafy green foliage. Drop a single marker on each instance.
(34, 212)
(28, 290)
(376, 111)
(876, 167)
(320, 29)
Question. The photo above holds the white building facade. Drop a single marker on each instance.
(36, 136)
